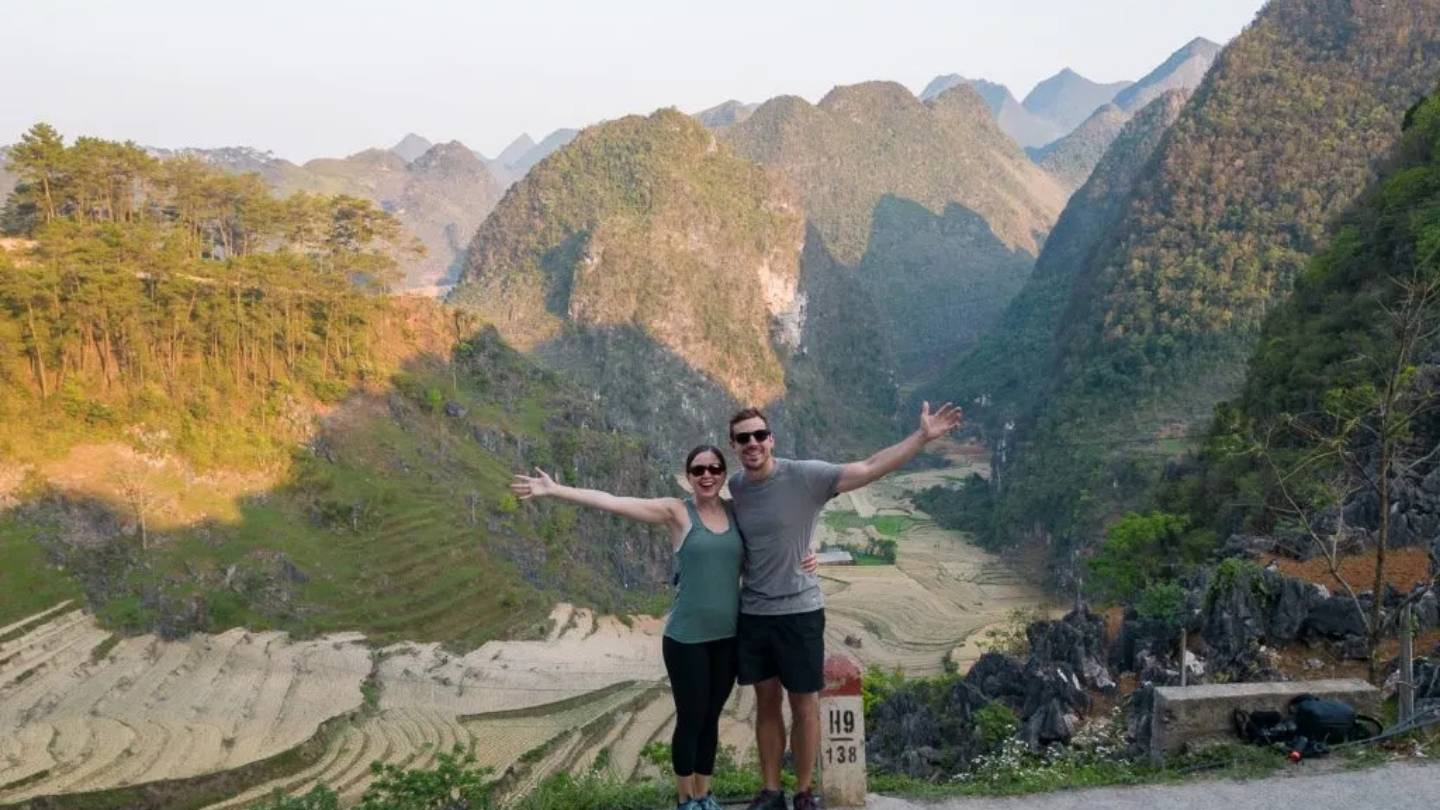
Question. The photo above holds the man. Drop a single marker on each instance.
(781, 632)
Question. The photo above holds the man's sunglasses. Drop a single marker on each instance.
(700, 469)
(744, 438)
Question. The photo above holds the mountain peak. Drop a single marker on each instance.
(1201, 45)
(868, 95)
(1067, 98)
(1183, 68)
(516, 150)
(411, 146)
(725, 114)
(452, 154)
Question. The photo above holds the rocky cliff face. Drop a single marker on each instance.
(929, 205)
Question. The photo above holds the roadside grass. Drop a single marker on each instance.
(1016, 772)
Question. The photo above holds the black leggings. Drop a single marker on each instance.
(701, 677)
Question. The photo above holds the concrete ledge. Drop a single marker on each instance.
(1187, 716)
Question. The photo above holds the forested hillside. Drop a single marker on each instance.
(650, 263)
(1282, 136)
(211, 415)
(1072, 158)
(1012, 363)
(1360, 327)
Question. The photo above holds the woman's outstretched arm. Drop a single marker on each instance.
(669, 511)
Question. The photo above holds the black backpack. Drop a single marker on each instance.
(1331, 721)
(1312, 724)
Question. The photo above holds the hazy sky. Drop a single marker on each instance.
(310, 78)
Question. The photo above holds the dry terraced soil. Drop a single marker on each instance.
(76, 716)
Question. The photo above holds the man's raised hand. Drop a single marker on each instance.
(935, 425)
(526, 487)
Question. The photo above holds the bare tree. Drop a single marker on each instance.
(1361, 442)
(140, 499)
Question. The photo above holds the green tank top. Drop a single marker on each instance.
(707, 569)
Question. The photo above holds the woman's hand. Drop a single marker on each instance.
(810, 564)
(526, 487)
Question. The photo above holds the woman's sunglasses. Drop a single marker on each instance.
(700, 469)
(744, 438)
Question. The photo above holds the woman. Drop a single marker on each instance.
(699, 642)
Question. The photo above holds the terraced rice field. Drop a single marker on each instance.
(551, 699)
(584, 654)
(75, 716)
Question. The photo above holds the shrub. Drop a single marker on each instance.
(877, 684)
(1163, 603)
(455, 776)
(994, 724)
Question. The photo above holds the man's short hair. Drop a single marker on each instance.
(747, 413)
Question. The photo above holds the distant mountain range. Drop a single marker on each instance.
(1072, 157)
(1061, 103)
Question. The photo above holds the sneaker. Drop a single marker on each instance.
(707, 802)
(691, 803)
(767, 800)
(809, 801)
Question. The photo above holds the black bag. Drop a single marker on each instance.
(1330, 721)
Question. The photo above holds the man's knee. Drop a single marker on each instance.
(805, 705)
(768, 696)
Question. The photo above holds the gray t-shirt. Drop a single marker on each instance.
(777, 519)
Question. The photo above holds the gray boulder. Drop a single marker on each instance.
(1077, 641)
(998, 677)
(1292, 601)
(1051, 723)
(1335, 618)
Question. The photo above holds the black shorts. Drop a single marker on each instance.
(790, 646)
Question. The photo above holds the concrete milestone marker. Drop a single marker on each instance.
(842, 734)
